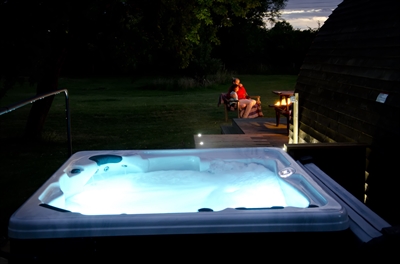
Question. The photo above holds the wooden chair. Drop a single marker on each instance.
(284, 107)
(229, 106)
(286, 111)
(257, 98)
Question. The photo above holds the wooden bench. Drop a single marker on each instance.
(235, 108)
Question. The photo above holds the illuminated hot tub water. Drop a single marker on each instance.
(111, 193)
(134, 185)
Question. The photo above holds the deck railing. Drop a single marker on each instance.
(12, 107)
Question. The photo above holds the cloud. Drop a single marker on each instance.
(304, 14)
(297, 12)
(306, 22)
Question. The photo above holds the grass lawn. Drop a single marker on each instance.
(108, 114)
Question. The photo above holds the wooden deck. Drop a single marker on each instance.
(244, 133)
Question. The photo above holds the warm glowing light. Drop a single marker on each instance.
(283, 102)
(199, 135)
(201, 143)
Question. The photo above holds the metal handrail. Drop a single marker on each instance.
(12, 107)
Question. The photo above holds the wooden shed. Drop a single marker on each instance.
(349, 91)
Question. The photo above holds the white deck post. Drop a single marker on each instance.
(295, 119)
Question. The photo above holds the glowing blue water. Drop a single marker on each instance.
(225, 184)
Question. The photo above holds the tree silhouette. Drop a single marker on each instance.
(37, 37)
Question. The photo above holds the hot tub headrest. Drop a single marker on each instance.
(104, 159)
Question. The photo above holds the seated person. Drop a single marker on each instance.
(233, 95)
(244, 100)
(233, 98)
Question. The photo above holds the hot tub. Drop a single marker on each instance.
(175, 195)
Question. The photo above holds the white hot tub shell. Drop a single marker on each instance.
(172, 192)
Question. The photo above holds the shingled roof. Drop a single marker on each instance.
(349, 90)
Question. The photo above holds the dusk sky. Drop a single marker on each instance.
(304, 14)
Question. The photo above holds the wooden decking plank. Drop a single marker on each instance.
(259, 132)
(236, 140)
(260, 125)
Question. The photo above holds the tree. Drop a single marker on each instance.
(243, 44)
(247, 47)
(33, 44)
(37, 37)
(288, 47)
